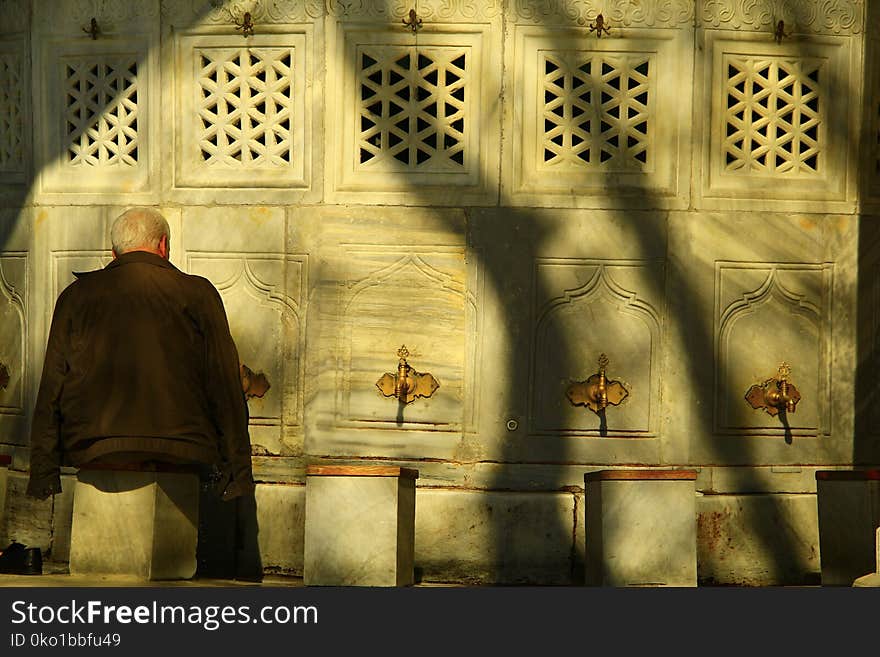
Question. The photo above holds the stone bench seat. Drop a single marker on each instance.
(135, 520)
(359, 525)
(641, 528)
(848, 504)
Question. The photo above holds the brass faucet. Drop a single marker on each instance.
(597, 392)
(776, 393)
(407, 384)
(403, 383)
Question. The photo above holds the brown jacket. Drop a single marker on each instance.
(140, 362)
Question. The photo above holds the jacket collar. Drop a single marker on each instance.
(131, 257)
(140, 256)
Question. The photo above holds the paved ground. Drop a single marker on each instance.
(60, 580)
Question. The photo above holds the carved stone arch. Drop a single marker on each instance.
(13, 328)
(764, 326)
(600, 316)
(405, 299)
(265, 312)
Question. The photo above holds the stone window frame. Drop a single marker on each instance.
(478, 183)
(15, 172)
(664, 183)
(192, 183)
(831, 190)
(60, 183)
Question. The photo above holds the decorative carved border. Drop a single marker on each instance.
(111, 15)
(617, 13)
(231, 12)
(456, 11)
(841, 17)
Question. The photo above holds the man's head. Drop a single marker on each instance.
(140, 229)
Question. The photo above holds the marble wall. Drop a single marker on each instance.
(508, 194)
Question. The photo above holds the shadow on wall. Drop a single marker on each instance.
(510, 238)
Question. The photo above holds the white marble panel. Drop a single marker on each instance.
(281, 525)
(598, 122)
(138, 524)
(416, 122)
(356, 531)
(782, 122)
(641, 533)
(98, 105)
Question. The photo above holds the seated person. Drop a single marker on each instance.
(140, 370)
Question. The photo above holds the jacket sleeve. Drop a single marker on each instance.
(227, 400)
(45, 461)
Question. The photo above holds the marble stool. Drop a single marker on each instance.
(849, 513)
(137, 523)
(360, 526)
(641, 528)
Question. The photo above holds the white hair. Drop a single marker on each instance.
(138, 228)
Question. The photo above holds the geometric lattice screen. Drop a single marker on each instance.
(245, 107)
(11, 125)
(412, 108)
(595, 111)
(772, 116)
(101, 111)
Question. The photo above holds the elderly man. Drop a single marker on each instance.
(140, 367)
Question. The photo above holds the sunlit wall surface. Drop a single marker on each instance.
(508, 188)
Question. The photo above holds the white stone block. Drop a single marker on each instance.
(359, 526)
(4, 477)
(281, 522)
(849, 515)
(140, 524)
(641, 528)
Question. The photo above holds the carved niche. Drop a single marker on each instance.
(263, 296)
(768, 314)
(585, 308)
(417, 298)
(13, 331)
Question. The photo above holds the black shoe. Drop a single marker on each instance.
(20, 560)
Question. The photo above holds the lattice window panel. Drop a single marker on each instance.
(773, 118)
(596, 111)
(101, 111)
(11, 124)
(412, 108)
(246, 107)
